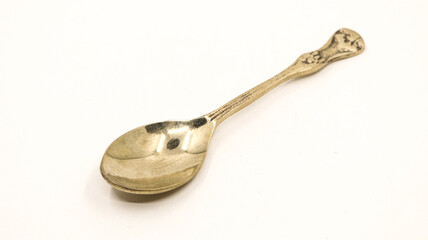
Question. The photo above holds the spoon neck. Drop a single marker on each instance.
(222, 113)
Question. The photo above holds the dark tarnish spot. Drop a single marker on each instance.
(173, 143)
(346, 37)
(155, 127)
(359, 47)
(199, 122)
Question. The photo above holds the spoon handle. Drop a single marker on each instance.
(343, 44)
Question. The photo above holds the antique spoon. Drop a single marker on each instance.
(162, 156)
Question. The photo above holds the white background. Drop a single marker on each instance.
(342, 154)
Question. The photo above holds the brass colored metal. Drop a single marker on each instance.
(162, 156)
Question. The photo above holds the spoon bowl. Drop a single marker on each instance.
(158, 157)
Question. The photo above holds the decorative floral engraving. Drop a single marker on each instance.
(344, 42)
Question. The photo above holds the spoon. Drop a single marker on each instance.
(162, 156)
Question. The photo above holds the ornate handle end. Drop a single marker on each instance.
(343, 44)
